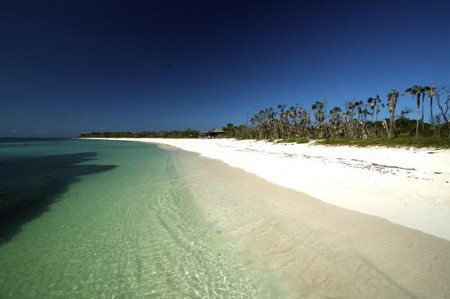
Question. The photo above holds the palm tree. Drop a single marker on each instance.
(283, 117)
(335, 120)
(379, 107)
(431, 91)
(350, 114)
(319, 114)
(392, 103)
(422, 93)
(305, 120)
(416, 90)
(371, 103)
(318, 109)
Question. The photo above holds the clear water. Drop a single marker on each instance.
(103, 219)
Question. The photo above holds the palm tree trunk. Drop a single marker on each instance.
(431, 116)
(385, 125)
(423, 100)
(418, 115)
(391, 124)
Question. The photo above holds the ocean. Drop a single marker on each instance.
(110, 219)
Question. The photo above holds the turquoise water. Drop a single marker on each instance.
(103, 219)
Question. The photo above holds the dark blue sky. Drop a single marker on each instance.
(79, 66)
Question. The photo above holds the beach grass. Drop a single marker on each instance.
(401, 141)
(293, 140)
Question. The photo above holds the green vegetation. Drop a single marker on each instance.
(302, 140)
(432, 142)
(293, 140)
(357, 123)
(188, 133)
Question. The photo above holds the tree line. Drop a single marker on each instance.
(188, 133)
(357, 118)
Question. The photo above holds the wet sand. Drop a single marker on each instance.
(316, 249)
(407, 186)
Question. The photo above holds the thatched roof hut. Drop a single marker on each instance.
(217, 130)
(214, 132)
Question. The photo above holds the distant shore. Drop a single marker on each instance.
(410, 187)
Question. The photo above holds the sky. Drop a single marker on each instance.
(80, 66)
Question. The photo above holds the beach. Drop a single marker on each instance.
(410, 187)
(225, 149)
(315, 249)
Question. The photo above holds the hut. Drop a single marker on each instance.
(215, 132)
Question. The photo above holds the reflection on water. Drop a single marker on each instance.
(28, 185)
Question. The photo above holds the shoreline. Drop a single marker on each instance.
(314, 249)
(409, 187)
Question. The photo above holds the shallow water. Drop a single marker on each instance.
(103, 219)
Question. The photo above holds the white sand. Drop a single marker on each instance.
(410, 187)
(310, 248)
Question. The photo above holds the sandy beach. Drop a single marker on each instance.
(410, 187)
(317, 249)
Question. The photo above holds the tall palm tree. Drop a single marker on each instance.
(318, 108)
(422, 93)
(283, 117)
(371, 102)
(305, 120)
(379, 107)
(319, 114)
(416, 90)
(373, 105)
(392, 104)
(431, 92)
(350, 115)
(335, 120)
